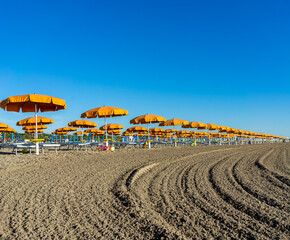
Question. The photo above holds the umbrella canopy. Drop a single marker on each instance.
(112, 126)
(31, 121)
(66, 129)
(59, 133)
(3, 125)
(148, 118)
(183, 132)
(33, 131)
(82, 124)
(79, 133)
(32, 103)
(105, 111)
(137, 129)
(8, 130)
(173, 122)
(127, 133)
(34, 127)
(94, 130)
(198, 125)
(223, 129)
(171, 130)
(156, 130)
(212, 127)
(114, 132)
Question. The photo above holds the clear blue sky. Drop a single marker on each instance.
(222, 62)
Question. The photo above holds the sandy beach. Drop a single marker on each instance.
(210, 192)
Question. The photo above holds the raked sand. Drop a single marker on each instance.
(210, 192)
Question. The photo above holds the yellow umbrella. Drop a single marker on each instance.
(8, 130)
(104, 112)
(33, 131)
(3, 125)
(31, 121)
(66, 129)
(198, 125)
(171, 130)
(80, 133)
(147, 119)
(82, 124)
(33, 103)
(59, 133)
(156, 130)
(112, 126)
(173, 122)
(137, 129)
(34, 127)
(94, 130)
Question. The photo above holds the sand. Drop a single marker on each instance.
(210, 192)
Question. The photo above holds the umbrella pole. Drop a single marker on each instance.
(36, 135)
(107, 142)
(149, 144)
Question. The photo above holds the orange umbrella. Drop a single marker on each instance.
(198, 125)
(112, 126)
(59, 133)
(80, 133)
(66, 129)
(94, 130)
(33, 131)
(127, 133)
(31, 121)
(8, 130)
(171, 130)
(104, 112)
(82, 124)
(3, 125)
(156, 130)
(137, 129)
(34, 127)
(147, 119)
(33, 103)
(174, 122)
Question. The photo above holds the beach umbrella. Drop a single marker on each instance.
(104, 112)
(198, 125)
(66, 129)
(93, 130)
(137, 129)
(82, 124)
(3, 125)
(34, 127)
(32, 121)
(112, 126)
(152, 130)
(127, 134)
(7, 130)
(171, 130)
(147, 119)
(80, 133)
(223, 129)
(59, 133)
(33, 103)
(33, 131)
(173, 122)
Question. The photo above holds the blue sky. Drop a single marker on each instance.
(222, 62)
